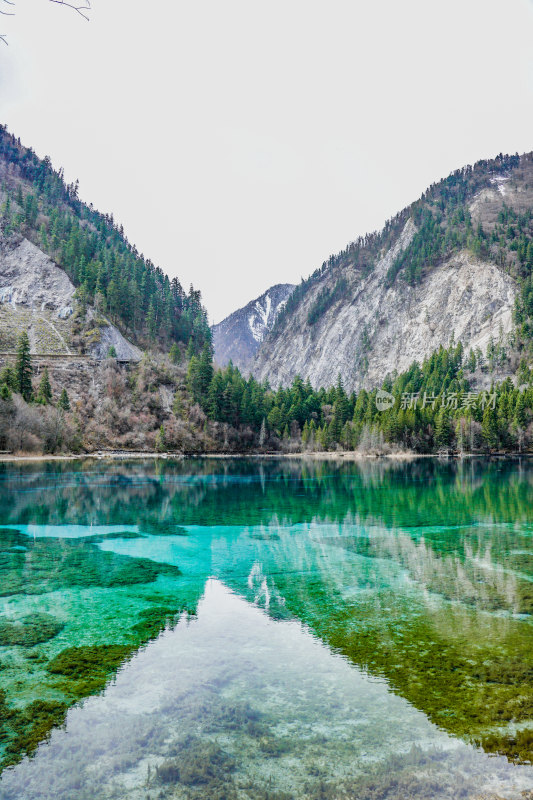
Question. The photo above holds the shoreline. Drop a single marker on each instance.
(341, 456)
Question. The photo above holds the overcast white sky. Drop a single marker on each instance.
(240, 143)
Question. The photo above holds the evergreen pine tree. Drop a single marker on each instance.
(23, 368)
(8, 376)
(333, 432)
(151, 319)
(205, 372)
(64, 402)
(175, 354)
(43, 237)
(461, 427)
(519, 418)
(216, 398)
(489, 427)
(113, 298)
(342, 408)
(274, 419)
(193, 381)
(44, 393)
(190, 349)
(347, 438)
(442, 429)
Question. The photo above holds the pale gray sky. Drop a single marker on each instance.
(240, 143)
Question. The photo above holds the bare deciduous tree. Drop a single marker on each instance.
(6, 13)
(82, 9)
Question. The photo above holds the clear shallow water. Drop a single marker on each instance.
(254, 630)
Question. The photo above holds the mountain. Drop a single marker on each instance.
(237, 338)
(455, 265)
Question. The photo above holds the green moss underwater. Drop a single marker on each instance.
(100, 608)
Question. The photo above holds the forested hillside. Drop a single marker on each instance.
(432, 407)
(92, 248)
(190, 407)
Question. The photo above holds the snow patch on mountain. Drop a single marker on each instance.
(259, 320)
(238, 337)
(499, 181)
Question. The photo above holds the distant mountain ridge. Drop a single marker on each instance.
(238, 337)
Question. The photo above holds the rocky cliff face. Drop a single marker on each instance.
(29, 278)
(37, 296)
(238, 337)
(379, 322)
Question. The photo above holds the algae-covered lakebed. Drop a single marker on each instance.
(266, 630)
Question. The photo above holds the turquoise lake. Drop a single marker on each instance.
(266, 630)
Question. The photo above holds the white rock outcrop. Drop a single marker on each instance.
(376, 330)
(111, 337)
(38, 296)
(28, 277)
